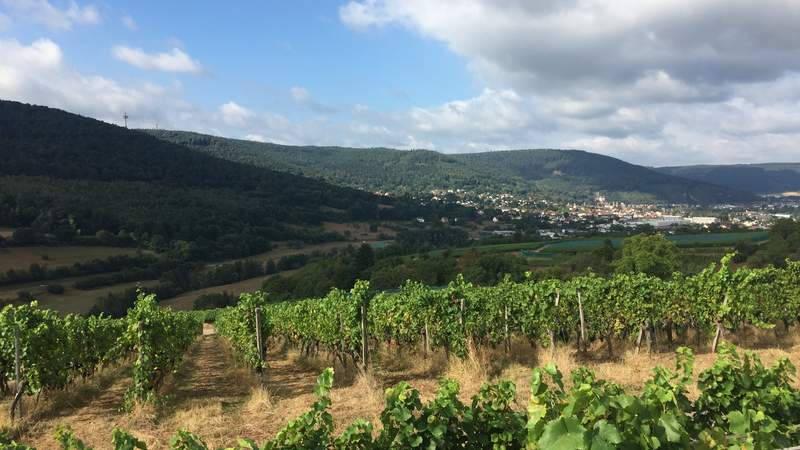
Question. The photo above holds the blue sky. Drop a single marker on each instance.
(651, 82)
(255, 52)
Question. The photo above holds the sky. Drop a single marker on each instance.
(652, 82)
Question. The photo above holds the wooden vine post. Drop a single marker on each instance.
(427, 339)
(260, 347)
(718, 333)
(553, 330)
(17, 403)
(582, 346)
(341, 340)
(364, 334)
(507, 336)
(461, 320)
(639, 337)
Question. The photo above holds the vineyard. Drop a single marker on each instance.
(738, 402)
(743, 404)
(43, 352)
(583, 310)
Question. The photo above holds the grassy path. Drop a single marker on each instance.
(207, 374)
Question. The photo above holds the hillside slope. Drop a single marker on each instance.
(757, 178)
(563, 174)
(68, 176)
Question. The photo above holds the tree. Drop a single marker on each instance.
(653, 255)
(23, 236)
(365, 257)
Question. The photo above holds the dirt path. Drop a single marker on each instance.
(208, 374)
(285, 379)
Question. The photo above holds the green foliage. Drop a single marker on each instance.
(768, 178)
(83, 344)
(783, 243)
(159, 338)
(67, 178)
(564, 174)
(619, 307)
(653, 255)
(67, 440)
(238, 324)
(122, 440)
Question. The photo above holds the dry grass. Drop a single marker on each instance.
(23, 257)
(358, 230)
(364, 398)
(221, 401)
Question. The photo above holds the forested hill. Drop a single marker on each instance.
(372, 169)
(563, 174)
(758, 178)
(67, 177)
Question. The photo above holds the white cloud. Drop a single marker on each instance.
(561, 43)
(129, 23)
(37, 73)
(59, 19)
(303, 97)
(756, 122)
(491, 111)
(655, 82)
(370, 13)
(235, 115)
(300, 94)
(176, 60)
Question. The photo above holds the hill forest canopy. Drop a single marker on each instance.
(769, 178)
(71, 179)
(559, 174)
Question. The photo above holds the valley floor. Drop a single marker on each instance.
(213, 396)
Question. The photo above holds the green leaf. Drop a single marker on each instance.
(564, 433)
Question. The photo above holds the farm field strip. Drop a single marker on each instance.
(185, 301)
(23, 257)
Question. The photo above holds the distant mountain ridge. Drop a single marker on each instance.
(769, 178)
(562, 174)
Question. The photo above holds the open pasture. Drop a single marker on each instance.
(21, 258)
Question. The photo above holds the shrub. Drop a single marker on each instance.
(56, 289)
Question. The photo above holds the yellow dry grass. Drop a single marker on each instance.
(213, 396)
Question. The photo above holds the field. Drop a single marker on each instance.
(358, 230)
(494, 248)
(544, 253)
(81, 301)
(215, 397)
(497, 333)
(287, 249)
(23, 257)
(185, 301)
(72, 300)
(682, 240)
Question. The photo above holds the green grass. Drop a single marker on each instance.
(550, 249)
(681, 240)
(493, 248)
